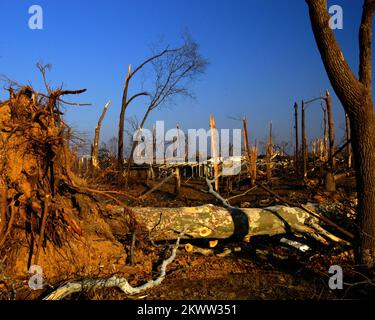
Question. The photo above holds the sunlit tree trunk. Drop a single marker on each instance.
(356, 97)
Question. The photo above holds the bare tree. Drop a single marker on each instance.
(355, 95)
(173, 71)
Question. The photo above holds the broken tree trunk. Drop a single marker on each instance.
(304, 143)
(325, 134)
(296, 136)
(124, 104)
(95, 147)
(212, 222)
(214, 148)
(330, 184)
(331, 132)
(269, 155)
(313, 151)
(177, 179)
(253, 164)
(247, 151)
(251, 155)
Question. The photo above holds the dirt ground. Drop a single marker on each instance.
(260, 270)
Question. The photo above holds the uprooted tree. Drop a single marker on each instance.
(48, 216)
(356, 98)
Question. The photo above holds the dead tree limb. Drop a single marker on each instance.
(121, 283)
(157, 186)
(242, 194)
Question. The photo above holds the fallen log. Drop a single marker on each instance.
(213, 222)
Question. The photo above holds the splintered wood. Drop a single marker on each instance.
(250, 154)
(214, 148)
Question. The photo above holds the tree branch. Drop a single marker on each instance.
(64, 92)
(151, 59)
(121, 283)
(136, 96)
(365, 43)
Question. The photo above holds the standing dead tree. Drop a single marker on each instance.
(296, 155)
(330, 184)
(355, 95)
(269, 155)
(124, 104)
(326, 154)
(250, 154)
(304, 142)
(214, 153)
(173, 72)
(331, 130)
(325, 134)
(95, 146)
(253, 164)
(314, 144)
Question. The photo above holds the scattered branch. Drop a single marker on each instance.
(121, 283)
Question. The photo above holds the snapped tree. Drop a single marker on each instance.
(173, 70)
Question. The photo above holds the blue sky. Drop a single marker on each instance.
(262, 57)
